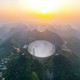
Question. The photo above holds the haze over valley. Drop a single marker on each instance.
(15, 39)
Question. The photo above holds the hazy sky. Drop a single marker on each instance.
(68, 13)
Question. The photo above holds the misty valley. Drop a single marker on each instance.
(36, 52)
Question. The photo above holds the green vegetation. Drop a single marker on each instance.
(34, 76)
(65, 66)
(73, 44)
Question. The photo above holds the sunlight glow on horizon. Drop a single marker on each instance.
(42, 6)
(40, 10)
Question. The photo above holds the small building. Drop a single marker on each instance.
(25, 46)
(18, 50)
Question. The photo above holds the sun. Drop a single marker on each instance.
(42, 6)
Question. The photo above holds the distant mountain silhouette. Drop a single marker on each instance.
(29, 36)
(47, 35)
(66, 31)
